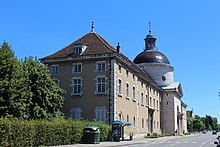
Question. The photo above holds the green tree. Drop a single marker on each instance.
(26, 88)
(46, 96)
(13, 91)
(198, 124)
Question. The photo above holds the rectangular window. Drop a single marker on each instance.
(150, 102)
(77, 86)
(127, 90)
(119, 68)
(77, 68)
(147, 100)
(101, 114)
(154, 103)
(119, 86)
(78, 51)
(157, 105)
(142, 98)
(133, 92)
(127, 73)
(75, 113)
(54, 69)
(101, 85)
(101, 66)
(133, 77)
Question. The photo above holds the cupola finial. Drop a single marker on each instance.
(149, 27)
(92, 26)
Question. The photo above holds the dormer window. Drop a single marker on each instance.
(79, 48)
(78, 51)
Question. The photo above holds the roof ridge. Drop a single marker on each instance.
(109, 46)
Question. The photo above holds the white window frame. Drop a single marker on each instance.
(100, 114)
(78, 50)
(54, 69)
(147, 100)
(120, 87)
(78, 85)
(100, 66)
(142, 98)
(103, 84)
(75, 68)
(150, 101)
(127, 90)
(75, 113)
(133, 93)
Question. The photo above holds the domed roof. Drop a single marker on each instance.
(151, 56)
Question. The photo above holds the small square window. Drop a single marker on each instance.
(54, 69)
(100, 66)
(77, 68)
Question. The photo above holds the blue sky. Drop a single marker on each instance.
(187, 32)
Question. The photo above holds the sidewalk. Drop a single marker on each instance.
(138, 138)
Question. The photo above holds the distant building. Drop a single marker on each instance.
(189, 114)
(104, 85)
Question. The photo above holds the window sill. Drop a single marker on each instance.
(101, 93)
(76, 94)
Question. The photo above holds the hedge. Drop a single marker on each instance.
(14, 132)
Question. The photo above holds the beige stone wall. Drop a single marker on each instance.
(88, 101)
(135, 110)
(126, 108)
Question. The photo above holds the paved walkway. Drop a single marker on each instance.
(138, 138)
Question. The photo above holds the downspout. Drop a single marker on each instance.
(109, 99)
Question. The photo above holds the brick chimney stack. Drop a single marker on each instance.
(118, 48)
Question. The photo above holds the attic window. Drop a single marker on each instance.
(78, 51)
(79, 48)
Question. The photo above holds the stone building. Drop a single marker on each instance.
(158, 67)
(102, 84)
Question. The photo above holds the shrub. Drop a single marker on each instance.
(14, 132)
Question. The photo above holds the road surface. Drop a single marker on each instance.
(198, 140)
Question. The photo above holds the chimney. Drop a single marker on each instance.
(118, 48)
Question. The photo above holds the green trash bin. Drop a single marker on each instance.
(91, 135)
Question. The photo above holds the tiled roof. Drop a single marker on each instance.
(96, 45)
(94, 42)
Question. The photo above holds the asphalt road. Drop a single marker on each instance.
(198, 140)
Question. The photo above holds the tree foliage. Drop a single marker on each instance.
(26, 88)
(46, 96)
(202, 123)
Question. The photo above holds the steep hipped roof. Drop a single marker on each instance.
(94, 42)
(96, 45)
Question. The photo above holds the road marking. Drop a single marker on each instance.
(194, 142)
(177, 142)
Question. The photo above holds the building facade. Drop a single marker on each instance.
(158, 67)
(104, 85)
